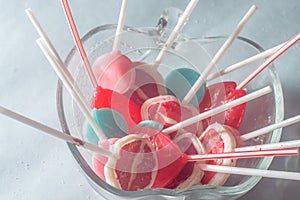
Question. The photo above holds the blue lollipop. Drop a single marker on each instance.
(111, 122)
(180, 81)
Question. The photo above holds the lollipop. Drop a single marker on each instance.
(221, 93)
(168, 111)
(114, 71)
(217, 139)
(111, 122)
(170, 158)
(179, 82)
(133, 166)
(163, 109)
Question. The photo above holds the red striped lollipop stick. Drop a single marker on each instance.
(244, 154)
(78, 42)
(243, 63)
(269, 60)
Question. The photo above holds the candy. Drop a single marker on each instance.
(133, 167)
(114, 71)
(221, 93)
(170, 158)
(217, 139)
(179, 82)
(112, 124)
(163, 109)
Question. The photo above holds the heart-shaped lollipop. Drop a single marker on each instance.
(219, 94)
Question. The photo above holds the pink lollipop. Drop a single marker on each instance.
(114, 71)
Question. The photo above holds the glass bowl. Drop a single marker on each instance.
(259, 113)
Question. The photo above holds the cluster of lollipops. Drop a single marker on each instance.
(153, 131)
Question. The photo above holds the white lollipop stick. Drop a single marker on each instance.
(44, 36)
(279, 145)
(218, 56)
(54, 132)
(78, 42)
(252, 172)
(181, 22)
(71, 86)
(270, 128)
(269, 60)
(247, 154)
(40, 30)
(120, 25)
(218, 109)
(243, 63)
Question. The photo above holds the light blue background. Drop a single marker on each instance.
(35, 166)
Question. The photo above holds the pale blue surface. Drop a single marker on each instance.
(35, 166)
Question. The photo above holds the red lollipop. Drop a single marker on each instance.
(105, 98)
(163, 109)
(217, 139)
(134, 166)
(171, 160)
(166, 109)
(219, 94)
